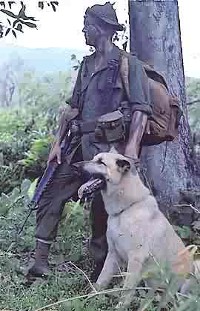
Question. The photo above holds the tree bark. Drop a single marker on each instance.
(155, 39)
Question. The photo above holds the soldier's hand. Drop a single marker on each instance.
(55, 153)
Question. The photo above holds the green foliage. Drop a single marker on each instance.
(36, 156)
(184, 232)
(193, 93)
(67, 288)
(26, 130)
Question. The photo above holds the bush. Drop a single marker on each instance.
(26, 129)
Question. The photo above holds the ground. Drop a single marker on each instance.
(71, 268)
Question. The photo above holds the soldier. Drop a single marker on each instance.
(100, 89)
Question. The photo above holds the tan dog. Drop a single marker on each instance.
(138, 233)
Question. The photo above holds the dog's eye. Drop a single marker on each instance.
(99, 161)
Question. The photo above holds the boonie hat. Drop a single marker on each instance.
(106, 13)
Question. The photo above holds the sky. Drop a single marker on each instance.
(63, 28)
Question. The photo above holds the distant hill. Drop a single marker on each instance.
(40, 59)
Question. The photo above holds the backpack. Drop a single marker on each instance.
(163, 124)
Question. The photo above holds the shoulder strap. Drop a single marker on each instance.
(124, 71)
(150, 71)
(112, 74)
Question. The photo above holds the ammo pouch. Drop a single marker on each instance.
(110, 127)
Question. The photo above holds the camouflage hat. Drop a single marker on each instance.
(106, 13)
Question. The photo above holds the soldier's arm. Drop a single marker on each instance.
(140, 105)
(137, 128)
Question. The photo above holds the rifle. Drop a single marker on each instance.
(66, 137)
(49, 172)
(47, 178)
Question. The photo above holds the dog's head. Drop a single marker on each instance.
(110, 167)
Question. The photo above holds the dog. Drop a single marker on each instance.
(138, 234)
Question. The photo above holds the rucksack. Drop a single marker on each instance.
(163, 124)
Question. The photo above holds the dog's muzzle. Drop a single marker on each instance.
(96, 182)
(90, 188)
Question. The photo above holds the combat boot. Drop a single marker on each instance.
(41, 265)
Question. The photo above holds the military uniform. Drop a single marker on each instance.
(88, 97)
(94, 95)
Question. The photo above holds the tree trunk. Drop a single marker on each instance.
(155, 39)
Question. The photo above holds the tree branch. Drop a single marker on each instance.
(193, 102)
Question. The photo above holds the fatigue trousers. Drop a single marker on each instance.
(64, 186)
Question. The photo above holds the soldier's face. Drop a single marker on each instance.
(91, 31)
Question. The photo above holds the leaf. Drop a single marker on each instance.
(4, 204)
(25, 186)
(73, 57)
(75, 67)
(196, 225)
(22, 14)
(41, 5)
(7, 31)
(32, 188)
(10, 3)
(22, 11)
(15, 23)
(14, 33)
(14, 195)
(53, 4)
(9, 22)
(53, 7)
(1, 158)
(184, 231)
(8, 13)
(29, 24)
(19, 27)
(124, 45)
(3, 4)
(91, 49)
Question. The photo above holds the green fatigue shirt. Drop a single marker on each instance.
(88, 94)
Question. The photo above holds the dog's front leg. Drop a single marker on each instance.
(134, 272)
(110, 268)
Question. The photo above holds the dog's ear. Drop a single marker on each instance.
(113, 150)
(123, 165)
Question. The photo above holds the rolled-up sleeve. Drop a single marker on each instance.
(139, 86)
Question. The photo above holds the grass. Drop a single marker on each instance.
(66, 280)
(71, 267)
